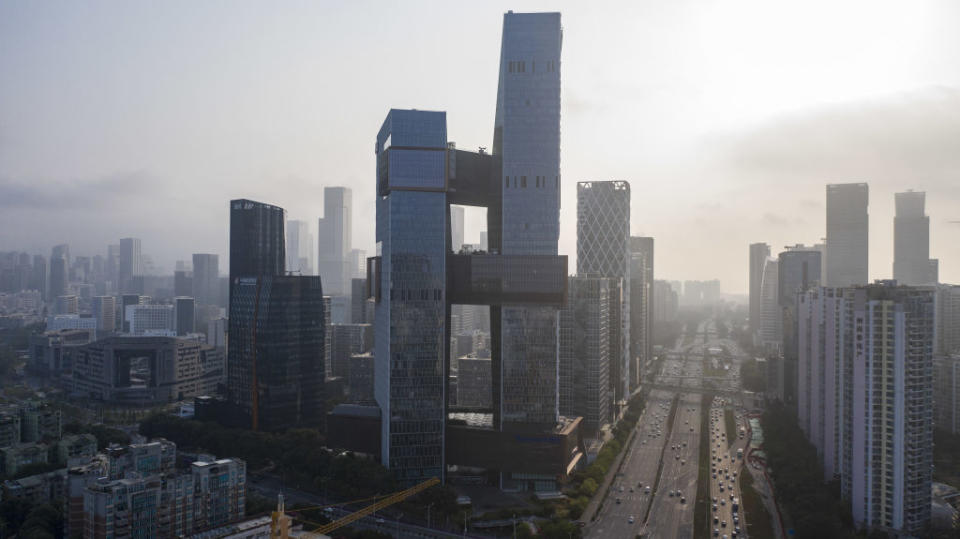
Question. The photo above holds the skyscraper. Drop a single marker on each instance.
(58, 276)
(299, 248)
(131, 265)
(416, 278)
(38, 279)
(584, 352)
(206, 279)
(457, 216)
(911, 241)
(847, 234)
(642, 294)
(105, 311)
(275, 367)
(758, 256)
(603, 250)
(770, 315)
(334, 235)
(184, 315)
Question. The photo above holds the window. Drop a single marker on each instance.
(506, 181)
(511, 67)
(523, 181)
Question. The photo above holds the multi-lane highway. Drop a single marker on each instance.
(629, 494)
(725, 468)
(671, 515)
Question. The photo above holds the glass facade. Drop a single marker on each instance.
(527, 138)
(411, 315)
(257, 240)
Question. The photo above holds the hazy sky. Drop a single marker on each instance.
(727, 118)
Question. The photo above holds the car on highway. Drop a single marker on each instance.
(630, 520)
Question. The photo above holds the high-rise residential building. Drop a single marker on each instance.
(335, 240)
(219, 492)
(457, 217)
(603, 250)
(105, 312)
(641, 305)
(666, 302)
(770, 331)
(947, 320)
(299, 248)
(358, 261)
(206, 279)
(848, 234)
(38, 277)
(184, 315)
(911, 241)
(946, 391)
(131, 265)
(867, 368)
(61, 250)
(585, 352)
(759, 252)
(275, 367)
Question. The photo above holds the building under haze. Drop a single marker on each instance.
(848, 234)
(416, 276)
(912, 264)
(206, 279)
(335, 240)
(642, 294)
(585, 352)
(603, 250)
(131, 266)
(299, 248)
(759, 252)
(865, 397)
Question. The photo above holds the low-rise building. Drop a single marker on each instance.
(17, 457)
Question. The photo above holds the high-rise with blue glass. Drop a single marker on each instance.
(416, 276)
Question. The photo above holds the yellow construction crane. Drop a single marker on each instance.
(280, 521)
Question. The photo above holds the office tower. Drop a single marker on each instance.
(946, 390)
(361, 378)
(847, 234)
(182, 283)
(67, 305)
(275, 369)
(61, 250)
(798, 270)
(105, 312)
(126, 300)
(38, 278)
(947, 320)
(603, 250)
(585, 352)
(206, 279)
(911, 241)
(58, 277)
(474, 382)
(149, 319)
(276, 345)
(257, 244)
(327, 335)
(299, 248)
(759, 252)
(334, 235)
(358, 299)
(641, 305)
(131, 265)
(345, 341)
(416, 278)
(184, 315)
(358, 261)
(411, 232)
(457, 215)
(217, 332)
(666, 302)
(770, 314)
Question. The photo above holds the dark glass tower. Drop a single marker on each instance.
(275, 368)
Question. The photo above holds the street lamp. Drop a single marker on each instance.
(428, 513)
(398, 525)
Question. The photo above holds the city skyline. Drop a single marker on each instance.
(286, 152)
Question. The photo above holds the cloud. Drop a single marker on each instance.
(86, 193)
(905, 139)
